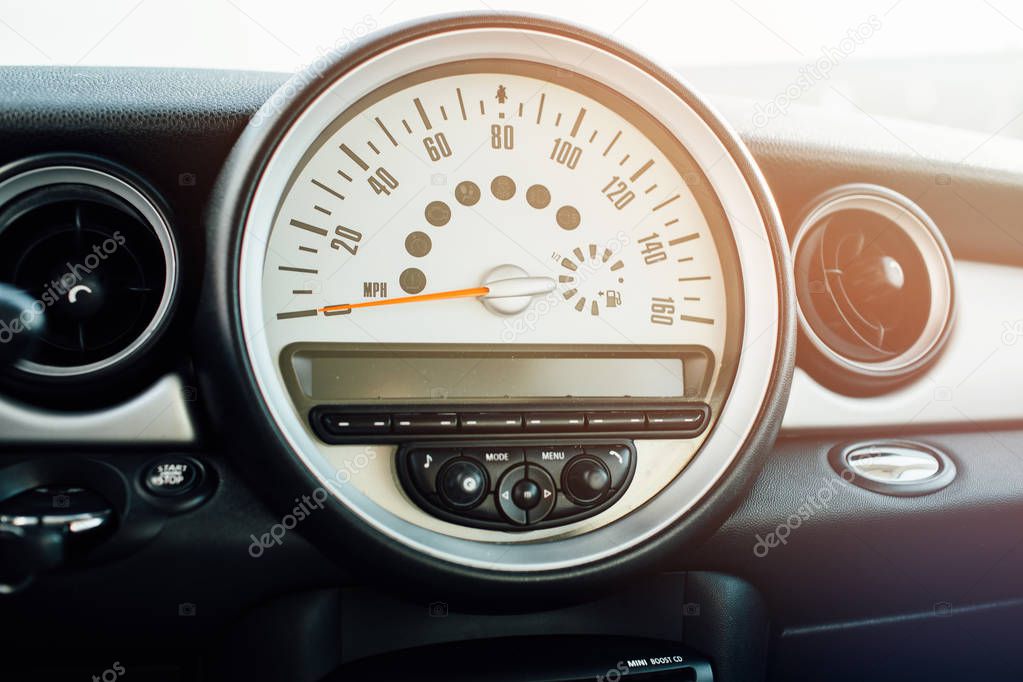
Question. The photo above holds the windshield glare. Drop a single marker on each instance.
(949, 63)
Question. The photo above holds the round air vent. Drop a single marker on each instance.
(875, 287)
(97, 259)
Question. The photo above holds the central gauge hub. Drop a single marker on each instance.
(510, 290)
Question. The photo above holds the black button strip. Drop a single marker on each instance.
(341, 425)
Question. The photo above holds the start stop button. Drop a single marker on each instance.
(171, 476)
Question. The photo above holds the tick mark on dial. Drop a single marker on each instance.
(354, 157)
(684, 238)
(386, 131)
(422, 113)
(665, 203)
(612, 142)
(296, 313)
(329, 190)
(642, 169)
(578, 122)
(308, 228)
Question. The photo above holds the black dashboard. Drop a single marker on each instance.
(746, 515)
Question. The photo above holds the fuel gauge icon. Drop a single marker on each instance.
(612, 299)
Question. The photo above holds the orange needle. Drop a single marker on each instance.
(439, 296)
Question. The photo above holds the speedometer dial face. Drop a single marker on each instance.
(499, 202)
(501, 232)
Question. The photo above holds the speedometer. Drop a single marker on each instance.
(495, 282)
(499, 201)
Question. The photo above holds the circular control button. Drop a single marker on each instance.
(526, 494)
(585, 480)
(171, 476)
(506, 497)
(462, 484)
(547, 494)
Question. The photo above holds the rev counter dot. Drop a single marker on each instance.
(412, 280)
(538, 196)
(418, 244)
(503, 187)
(438, 213)
(568, 217)
(467, 193)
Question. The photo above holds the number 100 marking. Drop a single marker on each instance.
(566, 153)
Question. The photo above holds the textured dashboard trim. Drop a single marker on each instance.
(157, 415)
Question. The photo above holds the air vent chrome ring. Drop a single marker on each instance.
(875, 284)
(146, 212)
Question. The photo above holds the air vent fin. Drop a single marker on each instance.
(874, 283)
(97, 258)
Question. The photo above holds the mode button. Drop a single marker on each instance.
(496, 460)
